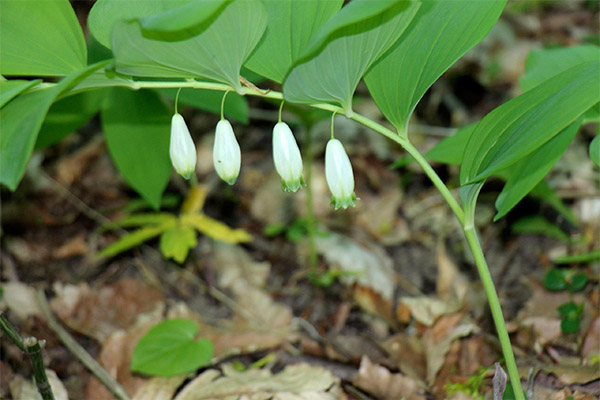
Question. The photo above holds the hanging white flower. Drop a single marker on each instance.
(227, 156)
(182, 149)
(339, 175)
(287, 158)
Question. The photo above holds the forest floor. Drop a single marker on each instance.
(381, 301)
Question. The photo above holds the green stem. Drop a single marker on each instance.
(34, 351)
(310, 212)
(494, 302)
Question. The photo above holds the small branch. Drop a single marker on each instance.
(95, 368)
(33, 348)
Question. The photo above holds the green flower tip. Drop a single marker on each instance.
(344, 202)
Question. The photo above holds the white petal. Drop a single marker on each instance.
(182, 149)
(339, 174)
(227, 156)
(286, 156)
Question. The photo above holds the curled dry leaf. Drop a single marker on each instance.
(294, 382)
(380, 382)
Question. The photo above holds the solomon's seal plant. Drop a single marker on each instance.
(398, 47)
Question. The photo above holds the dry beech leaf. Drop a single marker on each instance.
(380, 382)
(294, 382)
(20, 299)
(99, 312)
(233, 263)
(427, 310)
(159, 388)
(409, 355)
(75, 246)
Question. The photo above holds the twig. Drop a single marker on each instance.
(95, 368)
(33, 348)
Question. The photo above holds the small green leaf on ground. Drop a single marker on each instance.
(170, 348)
(176, 243)
(555, 280)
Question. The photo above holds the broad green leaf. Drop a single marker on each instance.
(450, 150)
(236, 106)
(525, 174)
(333, 74)
(217, 53)
(103, 79)
(22, 119)
(215, 229)
(595, 150)
(538, 225)
(137, 129)
(441, 32)
(188, 15)
(41, 38)
(291, 24)
(11, 89)
(171, 348)
(525, 123)
(176, 243)
(543, 64)
(131, 240)
(141, 220)
(68, 115)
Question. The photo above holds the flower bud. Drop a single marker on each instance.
(287, 158)
(182, 149)
(226, 153)
(338, 172)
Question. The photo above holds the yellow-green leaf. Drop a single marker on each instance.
(176, 243)
(215, 229)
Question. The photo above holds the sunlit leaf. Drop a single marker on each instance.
(40, 38)
(137, 129)
(185, 16)
(217, 53)
(525, 123)
(441, 32)
(141, 220)
(176, 243)
(333, 74)
(215, 229)
(171, 348)
(291, 24)
(132, 239)
(451, 149)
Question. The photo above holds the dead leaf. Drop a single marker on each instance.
(25, 389)
(438, 339)
(69, 169)
(451, 284)
(409, 355)
(379, 216)
(20, 299)
(591, 343)
(234, 263)
(381, 383)
(75, 246)
(159, 388)
(98, 313)
(426, 309)
(294, 382)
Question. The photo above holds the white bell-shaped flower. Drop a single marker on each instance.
(227, 156)
(287, 158)
(339, 175)
(182, 149)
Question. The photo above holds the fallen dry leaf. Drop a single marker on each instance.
(380, 382)
(20, 299)
(75, 246)
(159, 388)
(409, 355)
(234, 263)
(294, 382)
(25, 389)
(591, 344)
(427, 310)
(98, 313)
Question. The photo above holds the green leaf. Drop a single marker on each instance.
(441, 32)
(131, 240)
(543, 64)
(177, 242)
(141, 220)
(555, 280)
(567, 308)
(137, 130)
(570, 324)
(579, 258)
(595, 150)
(170, 348)
(291, 24)
(544, 193)
(217, 53)
(215, 229)
(468, 196)
(21, 121)
(538, 225)
(236, 106)
(333, 74)
(577, 282)
(525, 123)
(41, 38)
(526, 173)
(11, 89)
(450, 150)
(68, 115)
(186, 16)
